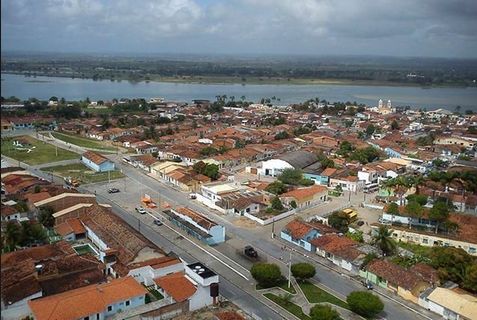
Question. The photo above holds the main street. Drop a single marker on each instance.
(138, 183)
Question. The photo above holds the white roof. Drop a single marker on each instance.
(462, 304)
(276, 164)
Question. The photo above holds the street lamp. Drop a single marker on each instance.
(289, 269)
(273, 227)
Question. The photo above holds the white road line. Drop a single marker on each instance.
(198, 246)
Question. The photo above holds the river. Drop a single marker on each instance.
(78, 89)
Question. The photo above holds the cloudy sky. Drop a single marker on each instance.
(441, 28)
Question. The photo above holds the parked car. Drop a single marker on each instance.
(368, 285)
(360, 223)
(141, 210)
(158, 222)
(113, 190)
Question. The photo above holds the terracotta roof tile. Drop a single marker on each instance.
(393, 273)
(82, 302)
(303, 193)
(94, 157)
(177, 286)
(298, 229)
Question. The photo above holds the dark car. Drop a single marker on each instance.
(158, 222)
(368, 285)
(360, 223)
(113, 190)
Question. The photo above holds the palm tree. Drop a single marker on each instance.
(383, 240)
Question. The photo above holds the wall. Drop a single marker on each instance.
(201, 298)
(69, 201)
(210, 203)
(304, 243)
(270, 220)
(90, 164)
(19, 309)
(121, 306)
(321, 180)
(217, 233)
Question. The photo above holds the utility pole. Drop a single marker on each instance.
(273, 227)
(56, 150)
(289, 270)
(109, 176)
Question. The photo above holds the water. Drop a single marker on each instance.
(78, 89)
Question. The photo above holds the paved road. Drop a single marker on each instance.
(395, 308)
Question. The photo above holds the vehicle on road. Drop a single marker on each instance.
(141, 210)
(158, 222)
(368, 285)
(250, 252)
(113, 190)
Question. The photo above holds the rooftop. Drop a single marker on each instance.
(201, 270)
(94, 157)
(177, 285)
(82, 302)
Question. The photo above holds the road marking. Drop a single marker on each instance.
(209, 253)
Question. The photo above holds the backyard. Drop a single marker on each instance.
(315, 294)
(82, 142)
(82, 173)
(35, 151)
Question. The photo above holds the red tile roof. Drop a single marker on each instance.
(82, 302)
(303, 193)
(94, 157)
(298, 229)
(393, 273)
(177, 286)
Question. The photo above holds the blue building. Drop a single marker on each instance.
(197, 225)
(301, 233)
(97, 162)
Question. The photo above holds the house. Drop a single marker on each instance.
(340, 250)
(450, 304)
(65, 200)
(247, 203)
(211, 194)
(302, 233)
(146, 271)
(464, 143)
(71, 230)
(346, 182)
(9, 213)
(197, 225)
(193, 284)
(97, 301)
(97, 162)
(143, 161)
(41, 271)
(293, 160)
(305, 197)
(405, 283)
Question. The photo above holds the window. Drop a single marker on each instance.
(425, 241)
(128, 303)
(110, 308)
(472, 250)
(86, 318)
(97, 316)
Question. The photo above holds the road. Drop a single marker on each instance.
(327, 275)
(243, 294)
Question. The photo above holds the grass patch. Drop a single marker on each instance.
(416, 249)
(287, 305)
(81, 172)
(84, 249)
(283, 285)
(315, 294)
(41, 152)
(81, 142)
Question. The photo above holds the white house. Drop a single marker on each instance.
(450, 304)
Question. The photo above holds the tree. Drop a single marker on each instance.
(370, 129)
(302, 271)
(394, 125)
(383, 240)
(419, 198)
(414, 209)
(276, 187)
(12, 235)
(54, 98)
(339, 221)
(452, 264)
(439, 213)
(276, 204)
(209, 151)
(323, 312)
(46, 218)
(365, 303)
(266, 274)
(293, 204)
(199, 167)
(470, 278)
(212, 171)
(291, 176)
(392, 208)
(282, 135)
(37, 189)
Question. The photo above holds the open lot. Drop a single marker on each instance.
(40, 152)
(82, 142)
(84, 174)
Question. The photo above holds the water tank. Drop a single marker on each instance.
(214, 289)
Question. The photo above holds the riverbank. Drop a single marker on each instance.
(243, 80)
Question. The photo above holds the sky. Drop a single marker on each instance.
(434, 28)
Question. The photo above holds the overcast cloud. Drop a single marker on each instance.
(442, 28)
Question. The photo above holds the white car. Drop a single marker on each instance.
(141, 210)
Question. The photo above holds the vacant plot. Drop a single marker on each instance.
(287, 305)
(33, 151)
(82, 142)
(82, 173)
(315, 294)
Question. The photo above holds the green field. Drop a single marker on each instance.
(81, 172)
(315, 294)
(289, 306)
(82, 142)
(41, 152)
